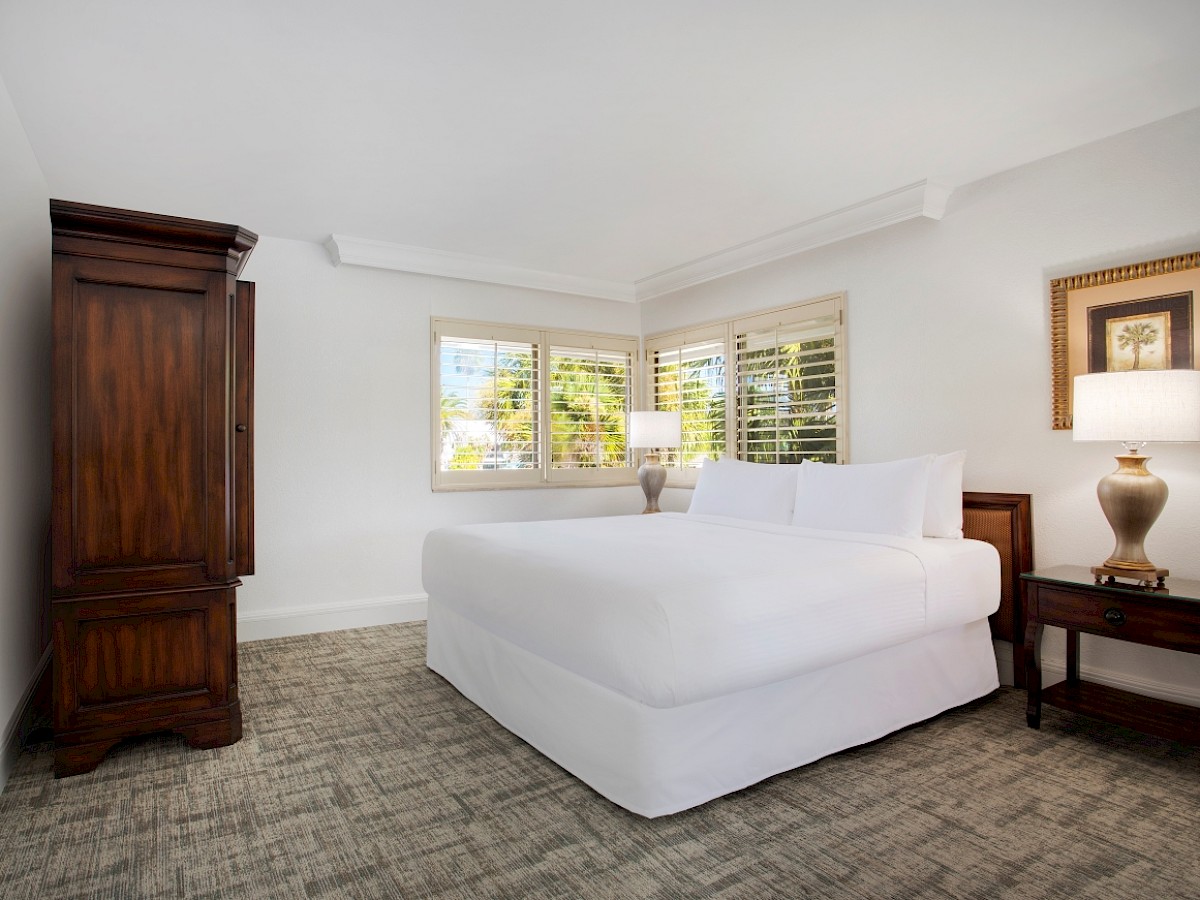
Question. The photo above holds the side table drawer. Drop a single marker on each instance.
(1161, 623)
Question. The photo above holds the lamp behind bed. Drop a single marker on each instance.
(654, 430)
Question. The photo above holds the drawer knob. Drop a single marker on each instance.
(1114, 616)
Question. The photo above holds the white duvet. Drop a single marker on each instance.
(671, 609)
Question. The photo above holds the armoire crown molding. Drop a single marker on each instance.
(922, 199)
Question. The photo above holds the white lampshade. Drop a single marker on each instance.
(1158, 405)
(655, 429)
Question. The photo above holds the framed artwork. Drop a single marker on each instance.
(1140, 316)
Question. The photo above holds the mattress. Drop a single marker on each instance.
(674, 609)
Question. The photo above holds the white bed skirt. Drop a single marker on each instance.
(655, 761)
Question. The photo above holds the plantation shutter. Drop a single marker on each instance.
(488, 420)
(589, 400)
(687, 374)
(790, 384)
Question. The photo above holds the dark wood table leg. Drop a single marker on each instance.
(1072, 656)
(1033, 673)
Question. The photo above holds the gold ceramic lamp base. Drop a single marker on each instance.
(1135, 406)
(1132, 499)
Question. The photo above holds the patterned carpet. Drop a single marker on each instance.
(362, 774)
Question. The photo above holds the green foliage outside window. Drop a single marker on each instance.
(488, 406)
(786, 396)
(490, 413)
(589, 402)
(696, 389)
(788, 400)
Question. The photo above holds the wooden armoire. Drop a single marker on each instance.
(152, 513)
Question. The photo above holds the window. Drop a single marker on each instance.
(788, 367)
(589, 406)
(778, 396)
(687, 372)
(488, 404)
(518, 407)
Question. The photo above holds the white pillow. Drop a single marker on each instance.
(879, 498)
(943, 502)
(743, 490)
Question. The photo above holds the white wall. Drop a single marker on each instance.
(24, 413)
(948, 334)
(342, 461)
(948, 348)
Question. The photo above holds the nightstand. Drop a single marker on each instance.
(1070, 598)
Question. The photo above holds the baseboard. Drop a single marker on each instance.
(1055, 670)
(1004, 661)
(15, 730)
(257, 626)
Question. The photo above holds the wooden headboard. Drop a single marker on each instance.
(1004, 521)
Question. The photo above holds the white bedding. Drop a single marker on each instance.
(655, 762)
(676, 609)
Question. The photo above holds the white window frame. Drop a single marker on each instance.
(545, 475)
(728, 331)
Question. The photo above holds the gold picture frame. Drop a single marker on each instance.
(1136, 315)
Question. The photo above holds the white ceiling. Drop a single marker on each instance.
(611, 139)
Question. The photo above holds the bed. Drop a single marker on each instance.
(669, 659)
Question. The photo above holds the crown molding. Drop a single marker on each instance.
(923, 199)
(353, 251)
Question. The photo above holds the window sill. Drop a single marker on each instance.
(621, 480)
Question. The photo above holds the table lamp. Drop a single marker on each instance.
(1135, 407)
(654, 431)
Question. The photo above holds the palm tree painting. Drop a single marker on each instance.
(1139, 342)
(1136, 336)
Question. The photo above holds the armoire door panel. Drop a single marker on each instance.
(140, 448)
(243, 428)
(217, 415)
(141, 657)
